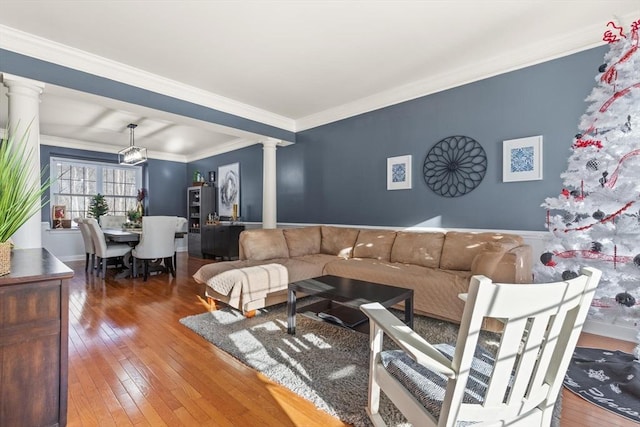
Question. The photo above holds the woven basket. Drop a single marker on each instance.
(5, 258)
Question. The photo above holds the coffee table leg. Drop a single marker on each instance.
(408, 312)
(291, 312)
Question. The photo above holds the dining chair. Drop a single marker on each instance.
(516, 385)
(112, 221)
(89, 248)
(103, 250)
(156, 242)
(181, 227)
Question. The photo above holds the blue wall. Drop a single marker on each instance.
(167, 184)
(165, 181)
(250, 160)
(336, 173)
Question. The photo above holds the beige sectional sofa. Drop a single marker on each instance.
(436, 265)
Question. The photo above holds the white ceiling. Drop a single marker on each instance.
(290, 64)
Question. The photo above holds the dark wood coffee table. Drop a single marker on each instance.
(350, 293)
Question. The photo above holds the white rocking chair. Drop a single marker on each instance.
(516, 386)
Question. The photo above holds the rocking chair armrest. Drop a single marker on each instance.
(408, 340)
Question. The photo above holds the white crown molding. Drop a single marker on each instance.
(582, 39)
(233, 145)
(227, 147)
(50, 51)
(55, 141)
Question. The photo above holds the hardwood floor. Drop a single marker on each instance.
(132, 363)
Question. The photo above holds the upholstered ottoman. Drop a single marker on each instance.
(247, 288)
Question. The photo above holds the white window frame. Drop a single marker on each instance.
(54, 190)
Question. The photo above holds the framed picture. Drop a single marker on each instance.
(58, 212)
(58, 215)
(229, 190)
(522, 159)
(399, 173)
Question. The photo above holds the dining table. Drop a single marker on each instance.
(131, 236)
(122, 236)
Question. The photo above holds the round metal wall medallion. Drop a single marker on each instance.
(455, 166)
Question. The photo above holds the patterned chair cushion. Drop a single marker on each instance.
(429, 387)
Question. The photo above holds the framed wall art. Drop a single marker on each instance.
(399, 173)
(522, 159)
(229, 190)
(59, 212)
(59, 217)
(455, 166)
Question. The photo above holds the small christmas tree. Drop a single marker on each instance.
(98, 207)
(595, 220)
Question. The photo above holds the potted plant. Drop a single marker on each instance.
(134, 217)
(142, 193)
(20, 195)
(98, 207)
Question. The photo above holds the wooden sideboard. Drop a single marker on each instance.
(34, 315)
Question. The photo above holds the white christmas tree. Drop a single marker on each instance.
(595, 221)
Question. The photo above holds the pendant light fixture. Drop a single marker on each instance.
(132, 155)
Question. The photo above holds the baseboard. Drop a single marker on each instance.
(625, 331)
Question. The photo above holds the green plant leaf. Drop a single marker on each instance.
(20, 195)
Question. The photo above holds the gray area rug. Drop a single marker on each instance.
(326, 364)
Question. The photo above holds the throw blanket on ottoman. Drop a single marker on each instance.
(248, 287)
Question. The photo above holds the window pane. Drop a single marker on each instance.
(63, 200)
(77, 186)
(63, 171)
(78, 181)
(77, 173)
(64, 186)
(119, 205)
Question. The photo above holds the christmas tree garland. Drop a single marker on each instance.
(595, 220)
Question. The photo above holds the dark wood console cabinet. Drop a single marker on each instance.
(221, 240)
(34, 315)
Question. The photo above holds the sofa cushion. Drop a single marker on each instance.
(318, 259)
(374, 244)
(422, 249)
(338, 241)
(300, 270)
(264, 244)
(302, 241)
(460, 248)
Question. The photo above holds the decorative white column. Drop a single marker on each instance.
(24, 112)
(269, 201)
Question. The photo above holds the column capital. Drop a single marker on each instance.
(271, 143)
(14, 82)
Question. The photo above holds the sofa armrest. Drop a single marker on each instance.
(511, 266)
(241, 255)
(515, 266)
